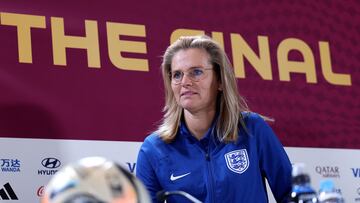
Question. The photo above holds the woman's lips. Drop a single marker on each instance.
(187, 93)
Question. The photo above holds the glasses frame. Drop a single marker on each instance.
(187, 73)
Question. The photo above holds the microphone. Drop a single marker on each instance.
(163, 195)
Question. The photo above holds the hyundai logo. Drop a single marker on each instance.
(51, 163)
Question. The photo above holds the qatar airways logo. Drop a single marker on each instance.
(328, 171)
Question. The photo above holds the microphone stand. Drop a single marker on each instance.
(163, 195)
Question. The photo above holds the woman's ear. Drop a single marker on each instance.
(220, 87)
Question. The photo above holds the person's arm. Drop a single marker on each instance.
(145, 172)
(274, 162)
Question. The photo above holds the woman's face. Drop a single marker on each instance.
(194, 96)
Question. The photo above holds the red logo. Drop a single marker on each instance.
(40, 191)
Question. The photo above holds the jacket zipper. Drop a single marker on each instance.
(210, 177)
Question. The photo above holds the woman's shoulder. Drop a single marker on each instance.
(153, 141)
(257, 125)
(154, 146)
(254, 122)
(251, 117)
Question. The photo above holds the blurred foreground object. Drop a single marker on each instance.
(302, 192)
(328, 193)
(95, 180)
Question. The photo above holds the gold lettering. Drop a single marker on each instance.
(24, 23)
(116, 46)
(330, 76)
(176, 34)
(286, 67)
(219, 38)
(241, 50)
(61, 41)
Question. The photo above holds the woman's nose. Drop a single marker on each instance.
(185, 80)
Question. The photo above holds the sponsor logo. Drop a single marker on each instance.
(40, 191)
(338, 190)
(328, 171)
(10, 165)
(356, 172)
(51, 164)
(173, 178)
(237, 161)
(357, 199)
(7, 193)
(131, 166)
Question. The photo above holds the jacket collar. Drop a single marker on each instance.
(210, 135)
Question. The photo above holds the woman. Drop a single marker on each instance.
(209, 144)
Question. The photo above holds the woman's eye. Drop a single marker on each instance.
(197, 72)
(176, 75)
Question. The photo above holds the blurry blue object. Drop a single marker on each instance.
(301, 192)
(328, 193)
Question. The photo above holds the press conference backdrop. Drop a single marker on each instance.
(82, 79)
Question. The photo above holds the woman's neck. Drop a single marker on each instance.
(199, 123)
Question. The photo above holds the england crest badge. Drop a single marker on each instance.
(237, 161)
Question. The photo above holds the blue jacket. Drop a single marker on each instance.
(213, 171)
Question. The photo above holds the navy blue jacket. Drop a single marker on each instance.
(213, 171)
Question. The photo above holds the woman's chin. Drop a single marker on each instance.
(188, 107)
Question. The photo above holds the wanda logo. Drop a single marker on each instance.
(40, 191)
(51, 163)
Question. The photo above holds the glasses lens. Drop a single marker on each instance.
(195, 75)
(176, 76)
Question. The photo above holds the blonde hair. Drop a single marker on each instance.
(230, 103)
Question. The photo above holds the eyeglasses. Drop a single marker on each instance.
(194, 74)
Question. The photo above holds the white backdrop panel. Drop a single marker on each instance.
(29, 175)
